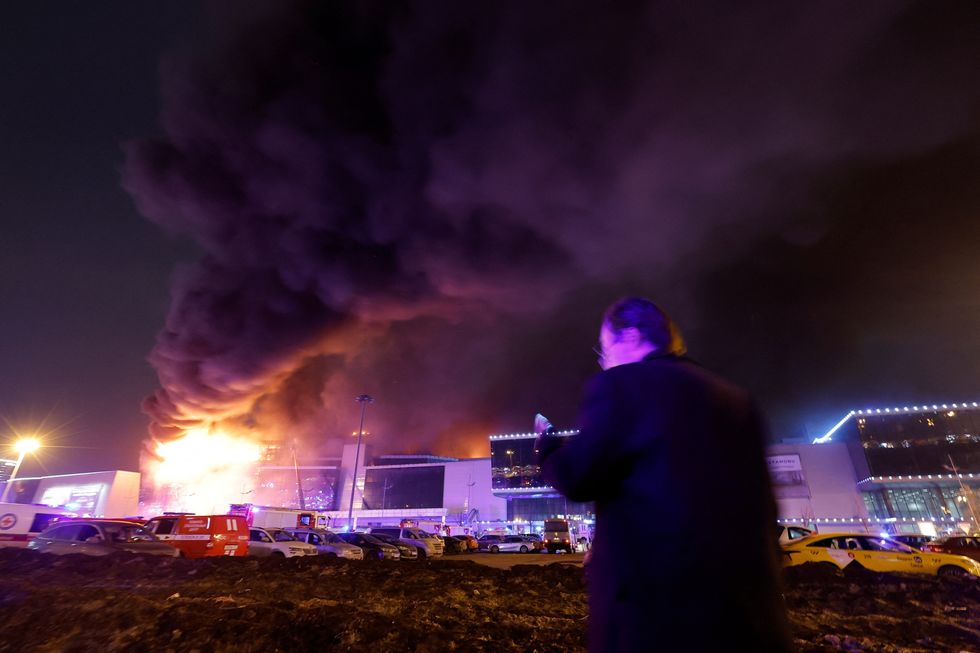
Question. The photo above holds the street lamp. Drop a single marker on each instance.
(364, 400)
(22, 447)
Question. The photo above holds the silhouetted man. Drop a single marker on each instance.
(684, 557)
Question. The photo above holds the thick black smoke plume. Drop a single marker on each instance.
(390, 197)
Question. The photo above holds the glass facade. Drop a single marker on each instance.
(514, 464)
(387, 488)
(921, 503)
(901, 444)
(540, 508)
(277, 487)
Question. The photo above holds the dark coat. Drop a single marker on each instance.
(685, 556)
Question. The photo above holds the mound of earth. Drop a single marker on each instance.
(881, 613)
(128, 602)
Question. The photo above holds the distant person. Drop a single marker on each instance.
(669, 452)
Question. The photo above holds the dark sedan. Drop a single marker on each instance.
(961, 545)
(373, 547)
(453, 545)
(99, 537)
(407, 552)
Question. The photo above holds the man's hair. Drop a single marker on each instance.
(654, 325)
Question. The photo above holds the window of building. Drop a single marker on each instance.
(388, 488)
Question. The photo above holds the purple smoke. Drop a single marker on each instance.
(383, 194)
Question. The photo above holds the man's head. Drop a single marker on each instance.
(634, 327)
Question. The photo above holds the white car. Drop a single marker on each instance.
(327, 543)
(511, 543)
(265, 542)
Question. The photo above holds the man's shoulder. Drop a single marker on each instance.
(677, 372)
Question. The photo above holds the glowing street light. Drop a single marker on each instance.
(26, 446)
(23, 447)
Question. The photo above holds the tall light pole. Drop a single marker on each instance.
(22, 447)
(364, 400)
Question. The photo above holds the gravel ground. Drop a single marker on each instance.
(128, 603)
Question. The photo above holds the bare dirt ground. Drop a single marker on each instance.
(508, 560)
(129, 603)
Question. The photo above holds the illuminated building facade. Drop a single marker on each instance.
(387, 489)
(916, 464)
(517, 479)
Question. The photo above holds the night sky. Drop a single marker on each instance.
(247, 217)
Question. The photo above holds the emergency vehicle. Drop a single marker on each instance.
(21, 522)
(201, 536)
(558, 536)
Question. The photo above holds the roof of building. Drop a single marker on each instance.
(905, 410)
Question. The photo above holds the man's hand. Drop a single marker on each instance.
(547, 441)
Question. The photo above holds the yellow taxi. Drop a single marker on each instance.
(875, 553)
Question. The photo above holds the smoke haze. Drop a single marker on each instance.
(433, 202)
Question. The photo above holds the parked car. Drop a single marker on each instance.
(915, 541)
(265, 542)
(327, 543)
(373, 547)
(434, 541)
(535, 540)
(200, 536)
(452, 546)
(962, 545)
(99, 537)
(427, 546)
(484, 542)
(512, 543)
(470, 541)
(407, 552)
(874, 553)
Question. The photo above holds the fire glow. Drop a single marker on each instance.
(203, 471)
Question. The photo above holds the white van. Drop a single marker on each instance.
(266, 542)
(21, 522)
(428, 545)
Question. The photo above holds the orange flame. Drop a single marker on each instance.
(203, 471)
